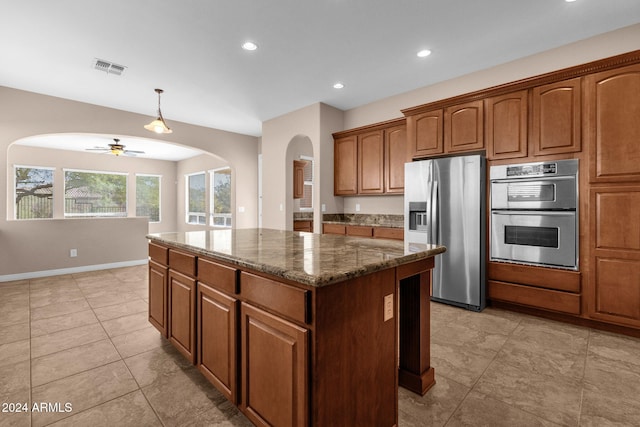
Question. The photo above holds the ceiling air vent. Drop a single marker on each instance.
(108, 67)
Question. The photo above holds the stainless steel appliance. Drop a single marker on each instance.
(445, 205)
(534, 213)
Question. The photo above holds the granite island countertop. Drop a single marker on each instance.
(307, 258)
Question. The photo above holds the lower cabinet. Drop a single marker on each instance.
(217, 329)
(274, 369)
(158, 277)
(181, 305)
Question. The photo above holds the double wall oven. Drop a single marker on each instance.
(534, 214)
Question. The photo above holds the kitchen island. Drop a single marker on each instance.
(295, 328)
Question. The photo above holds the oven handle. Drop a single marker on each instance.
(544, 213)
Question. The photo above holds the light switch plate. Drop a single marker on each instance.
(388, 307)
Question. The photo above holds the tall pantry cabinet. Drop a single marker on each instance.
(613, 138)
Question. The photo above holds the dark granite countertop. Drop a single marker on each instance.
(307, 258)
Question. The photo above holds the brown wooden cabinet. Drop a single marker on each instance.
(181, 311)
(464, 127)
(298, 178)
(371, 162)
(395, 156)
(303, 225)
(217, 325)
(506, 125)
(556, 117)
(158, 279)
(275, 376)
(424, 134)
(345, 166)
(364, 231)
(613, 124)
(615, 254)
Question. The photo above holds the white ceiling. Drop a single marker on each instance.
(191, 49)
(151, 148)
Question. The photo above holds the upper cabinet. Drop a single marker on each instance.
(298, 178)
(507, 125)
(613, 131)
(556, 117)
(345, 166)
(395, 149)
(424, 134)
(463, 127)
(369, 161)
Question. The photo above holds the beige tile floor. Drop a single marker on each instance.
(84, 339)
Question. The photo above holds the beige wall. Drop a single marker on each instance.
(29, 247)
(315, 122)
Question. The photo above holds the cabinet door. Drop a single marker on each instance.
(182, 314)
(507, 126)
(217, 337)
(557, 117)
(424, 134)
(371, 162)
(615, 254)
(274, 369)
(158, 296)
(395, 156)
(298, 178)
(613, 130)
(463, 127)
(345, 166)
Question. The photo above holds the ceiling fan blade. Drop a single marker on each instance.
(134, 151)
(97, 149)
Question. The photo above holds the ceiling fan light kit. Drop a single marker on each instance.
(116, 149)
(158, 125)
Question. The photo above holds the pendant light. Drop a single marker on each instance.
(158, 125)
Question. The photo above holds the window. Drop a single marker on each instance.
(34, 192)
(148, 197)
(196, 204)
(95, 194)
(307, 199)
(221, 212)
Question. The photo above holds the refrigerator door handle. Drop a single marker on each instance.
(435, 217)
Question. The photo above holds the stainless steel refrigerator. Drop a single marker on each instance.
(444, 203)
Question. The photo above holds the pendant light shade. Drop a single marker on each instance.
(158, 125)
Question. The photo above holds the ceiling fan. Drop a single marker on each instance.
(116, 149)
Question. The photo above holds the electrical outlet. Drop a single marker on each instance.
(73, 253)
(357, 207)
(388, 307)
(324, 207)
(241, 209)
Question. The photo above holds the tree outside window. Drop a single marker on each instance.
(221, 213)
(196, 200)
(34, 192)
(95, 194)
(148, 197)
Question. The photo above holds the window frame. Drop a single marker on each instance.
(93, 215)
(159, 194)
(188, 213)
(308, 183)
(212, 187)
(15, 191)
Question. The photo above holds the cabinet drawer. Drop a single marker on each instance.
(218, 276)
(333, 229)
(303, 226)
(183, 262)
(360, 231)
(561, 280)
(289, 301)
(159, 254)
(534, 297)
(388, 233)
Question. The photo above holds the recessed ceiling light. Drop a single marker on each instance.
(423, 53)
(569, 1)
(249, 46)
(338, 85)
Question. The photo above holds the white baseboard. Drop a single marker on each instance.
(60, 271)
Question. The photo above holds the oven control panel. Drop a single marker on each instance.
(536, 169)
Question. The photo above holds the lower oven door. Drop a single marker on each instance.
(545, 238)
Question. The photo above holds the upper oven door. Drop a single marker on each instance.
(559, 192)
(540, 238)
